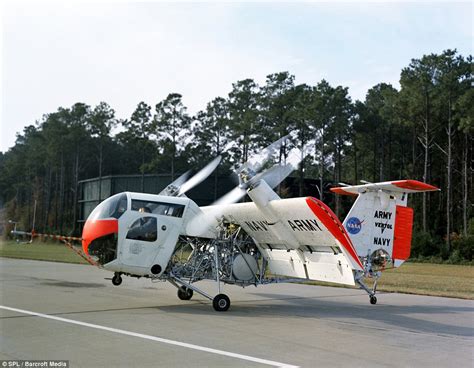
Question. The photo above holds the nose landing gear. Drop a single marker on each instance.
(117, 279)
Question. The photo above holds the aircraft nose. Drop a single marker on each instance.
(95, 229)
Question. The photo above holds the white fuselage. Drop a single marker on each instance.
(298, 244)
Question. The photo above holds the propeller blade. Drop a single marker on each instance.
(277, 173)
(258, 160)
(231, 197)
(204, 222)
(200, 176)
(172, 188)
(273, 176)
(207, 221)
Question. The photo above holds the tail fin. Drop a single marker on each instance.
(380, 223)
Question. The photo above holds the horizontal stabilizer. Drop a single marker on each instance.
(397, 186)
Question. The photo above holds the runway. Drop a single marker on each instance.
(66, 311)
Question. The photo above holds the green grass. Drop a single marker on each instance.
(413, 278)
(38, 250)
(452, 281)
(430, 279)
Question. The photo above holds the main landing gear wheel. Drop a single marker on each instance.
(221, 303)
(184, 293)
(117, 279)
(373, 299)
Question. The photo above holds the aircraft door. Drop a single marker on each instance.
(147, 242)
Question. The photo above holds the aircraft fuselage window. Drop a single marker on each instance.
(120, 207)
(114, 206)
(145, 229)
(158, 208)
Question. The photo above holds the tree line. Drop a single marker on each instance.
(421, 131)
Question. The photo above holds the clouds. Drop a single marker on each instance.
(56, 54)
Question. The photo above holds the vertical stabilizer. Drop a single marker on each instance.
(380, 223)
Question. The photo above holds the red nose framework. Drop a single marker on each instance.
(94, 229)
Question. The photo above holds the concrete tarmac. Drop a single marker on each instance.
(144, 324)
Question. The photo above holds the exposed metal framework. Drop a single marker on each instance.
(215, 260)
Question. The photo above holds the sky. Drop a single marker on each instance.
(54, 54)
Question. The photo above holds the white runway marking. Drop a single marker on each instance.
(153, 338)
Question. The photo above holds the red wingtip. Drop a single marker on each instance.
(414, 185)
(341, 191)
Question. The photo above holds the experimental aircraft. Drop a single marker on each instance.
(168, 237)
(266, 240)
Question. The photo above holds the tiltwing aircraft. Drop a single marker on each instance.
(169, 237)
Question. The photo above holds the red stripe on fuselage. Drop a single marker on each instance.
(95, 229)
(332, 223)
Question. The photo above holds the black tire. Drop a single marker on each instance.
(116, 280)
(221, 303)
(373, 299)
(184, 293)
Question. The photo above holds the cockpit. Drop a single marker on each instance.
(158, 208)
(139, 217)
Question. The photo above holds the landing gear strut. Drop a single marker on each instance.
(372, 297)
(186, 286)
(117, 279)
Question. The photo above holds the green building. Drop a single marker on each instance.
(93, 191)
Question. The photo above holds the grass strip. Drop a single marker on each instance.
(453, 281)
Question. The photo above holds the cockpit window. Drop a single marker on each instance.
(145, 229)
(114, 206)
(120, 207)
(158, 208)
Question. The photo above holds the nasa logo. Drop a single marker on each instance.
(353, 225)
